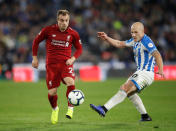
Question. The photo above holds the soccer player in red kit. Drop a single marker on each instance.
(59, 63)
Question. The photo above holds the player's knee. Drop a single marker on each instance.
(70, 82)
(124, 88)
(52, 92)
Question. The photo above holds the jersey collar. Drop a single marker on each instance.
(143, 37)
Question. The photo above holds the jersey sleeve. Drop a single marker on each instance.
(129, 42)
(78, 45)
(149, 45)
(40, 37)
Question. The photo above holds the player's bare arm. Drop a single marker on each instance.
(35, 62)
(70, 61)
(159, 63)
(113, 42)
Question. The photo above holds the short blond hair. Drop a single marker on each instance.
(62, 12)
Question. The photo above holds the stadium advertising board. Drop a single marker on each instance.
(169, 72)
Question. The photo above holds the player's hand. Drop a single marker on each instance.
(160, 73)
(70, 61)
(35, 62)
(102, 35)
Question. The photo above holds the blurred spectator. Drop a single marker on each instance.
(21, 20)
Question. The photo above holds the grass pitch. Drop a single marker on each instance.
(25, 107)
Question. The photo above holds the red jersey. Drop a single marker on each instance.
(58, 44)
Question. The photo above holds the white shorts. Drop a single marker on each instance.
(142, 79)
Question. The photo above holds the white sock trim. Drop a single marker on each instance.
(55, 108)
(70, 107)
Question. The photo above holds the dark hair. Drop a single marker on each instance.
(62, 12)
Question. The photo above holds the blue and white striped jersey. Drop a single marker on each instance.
(143, 53)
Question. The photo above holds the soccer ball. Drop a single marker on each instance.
(76, 97)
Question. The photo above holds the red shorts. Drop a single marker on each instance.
(55, 73)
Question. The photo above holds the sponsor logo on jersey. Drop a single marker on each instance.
(68, 37)
(60, 43)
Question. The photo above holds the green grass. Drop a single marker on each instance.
(25, 107)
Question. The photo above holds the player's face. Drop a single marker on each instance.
(63, 22)
(136, 33)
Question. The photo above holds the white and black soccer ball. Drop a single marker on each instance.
(76, 97)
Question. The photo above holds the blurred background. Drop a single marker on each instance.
(22, 20)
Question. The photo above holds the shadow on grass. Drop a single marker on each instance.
(96, 126)
(66, 125)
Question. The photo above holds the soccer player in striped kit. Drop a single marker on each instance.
(59, 63)
(145, 55)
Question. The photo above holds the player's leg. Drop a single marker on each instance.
(52, 83)
(52, 97)
(70, 86)
(69, 79)
(141, 80)
(119, 97)
(136, 100)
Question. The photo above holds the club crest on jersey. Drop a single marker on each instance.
(150, 45)
(68, 37)
(67, 44)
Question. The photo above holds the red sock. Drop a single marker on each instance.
(69, 88)
(53, 101)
